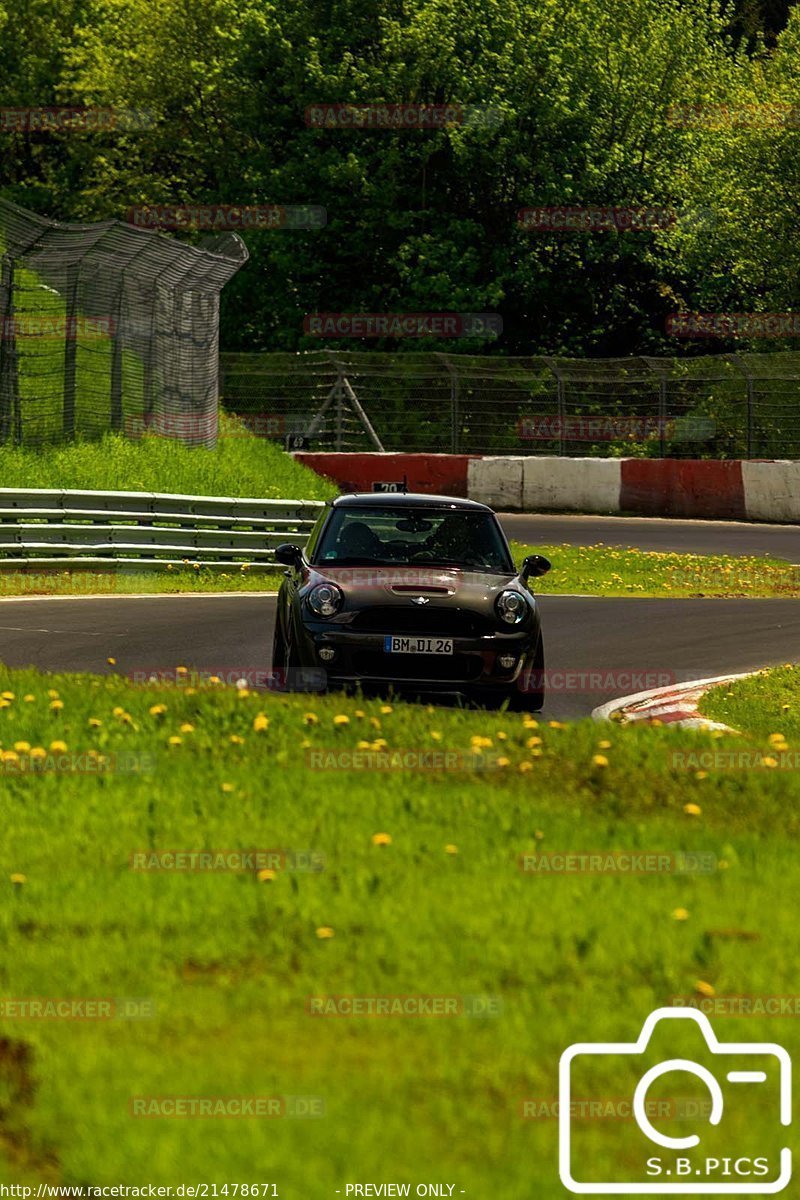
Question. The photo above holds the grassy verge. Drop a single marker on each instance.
(764, 705)
(609, 571)
(241, 465)
(438, 905)
(592, 570)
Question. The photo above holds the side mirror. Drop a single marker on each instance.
(289, 554)
(535, 564)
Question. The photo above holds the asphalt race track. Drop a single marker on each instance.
(597, 648)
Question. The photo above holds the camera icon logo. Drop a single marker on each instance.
(746, 1102)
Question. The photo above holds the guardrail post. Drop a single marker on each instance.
(116, 363)
(750, 401)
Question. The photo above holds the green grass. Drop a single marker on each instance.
(591, 570)
(609, 571)
(229, 961)
(763, 704)
(241, 465)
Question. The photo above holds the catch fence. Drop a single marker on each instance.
(715, 406)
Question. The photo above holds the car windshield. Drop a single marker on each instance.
(394, 536)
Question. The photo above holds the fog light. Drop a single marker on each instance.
(507, 661)
(327, 653)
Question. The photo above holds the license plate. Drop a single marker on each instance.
(393, 644)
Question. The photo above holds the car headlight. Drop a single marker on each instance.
(512, 608)
(325, 599)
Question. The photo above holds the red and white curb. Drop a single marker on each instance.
(674, 705)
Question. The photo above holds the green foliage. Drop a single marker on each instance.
(580, 96)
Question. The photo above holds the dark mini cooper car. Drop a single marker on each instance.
(417, 592)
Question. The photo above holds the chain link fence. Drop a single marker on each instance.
(108, 327)
(715, 406)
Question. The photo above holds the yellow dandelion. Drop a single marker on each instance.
(386, 708)
(214, 679)
(157, 710)
(58, 747)
(56, 705)
(10, 695)
(52, 693)
(363, 745)
(235, 740)
(701, 774)
(374, 722)
(22, 747)
(381, 839)
(776, 737)
(186, 727)
(29, 699)
(599, 760)
(310, 718)
(436, 735)
(556, 724)
(118, 712)
(502, 762)
(692, 810)
(769, 761)
(17, 878)
(10, 756)
(705, 989)
(95, 722)
(529, 723)
(266, 876)
(604, 745)
(226, 787)
(534, 741)
(175, 741)
(680, 914)
(526, 766)
(40, 752)
(181, 670)
(112, 662)
(360, 712)
(324, 931)
(341, 719)
(260, 723)
(450, 848)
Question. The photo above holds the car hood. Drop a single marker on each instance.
(364, 586)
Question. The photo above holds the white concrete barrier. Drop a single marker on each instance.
(496, 482)
(772, 490)
(571, 484)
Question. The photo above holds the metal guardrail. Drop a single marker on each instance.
(51, 527)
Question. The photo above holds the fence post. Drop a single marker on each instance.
(737, 361)
(116, 362)
(561, 400)
(455, 416)
(10, 415)
(70, 353)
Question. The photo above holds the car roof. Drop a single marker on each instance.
(406, 500)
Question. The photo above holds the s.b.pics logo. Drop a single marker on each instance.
(706, 1116)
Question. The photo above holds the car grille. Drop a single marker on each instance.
(439, 668)
(444, 622)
